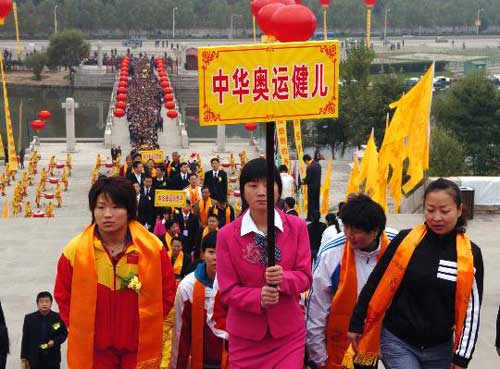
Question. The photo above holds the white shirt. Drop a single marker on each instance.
(216, 173)
(248, 225)
(328, 234)
(288, 186)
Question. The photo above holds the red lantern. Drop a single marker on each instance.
(118, 112)
(37, 124)
(264, 17)
(250, 126)
(121, 97)
(5, 9)
(123, 84)
(170, 105)
(172, 114)
(162, 73)
(259, 4)
(121, 104)
(325, 3)
(293, 23)
(168, 90)
(168, 97)
(164, 84)
(370, 3)
(44, 115)
(123, 78)
(121, 90)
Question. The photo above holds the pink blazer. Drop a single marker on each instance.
(241, 278)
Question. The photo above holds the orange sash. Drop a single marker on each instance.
(193, 195)
(228, 213)
(391, 280)
(343, 305)
(84, 298)
(198, 325)
(204, 211)
(206, 231)
(177, 268)
(168, 242)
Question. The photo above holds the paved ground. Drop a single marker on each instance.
(31, 247)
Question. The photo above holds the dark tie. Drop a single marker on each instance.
(261, 242)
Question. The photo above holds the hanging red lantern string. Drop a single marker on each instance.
(121, 90)
(170, 105)
(168, 97)
(172, 114)
(44, 115)
(121, 105)
(37, 125)
(118, 112)
(121, 97)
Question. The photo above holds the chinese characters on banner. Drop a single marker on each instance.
(156, 155)
(283, 142)
(169, 198)
(260, 83)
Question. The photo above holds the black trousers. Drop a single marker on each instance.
(312, 201)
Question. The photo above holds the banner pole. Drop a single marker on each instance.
(271, 239)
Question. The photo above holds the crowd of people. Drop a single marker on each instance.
(144, 99)
(192, 287)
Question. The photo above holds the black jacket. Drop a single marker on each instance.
(131, 176)
(315, 232)
(422, 312)
(34, 334)
(217, 185)
(221, 214)
(313, 176)
(146, 208)
(497, 342)
(161, 184)
(190, 232)
(178, 183)
(4, 335)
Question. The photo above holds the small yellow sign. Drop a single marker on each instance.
(170, 198)
(266, 82)
(158, 156)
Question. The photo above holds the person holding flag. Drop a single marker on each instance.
(340, 272)
(265, 321)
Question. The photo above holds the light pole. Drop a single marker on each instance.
(173, 21)
(55, 18)
(387, 10)
(478, 20)
(232, 25)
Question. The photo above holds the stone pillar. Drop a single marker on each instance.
(221, 138)
(70, 107)
(99, 54)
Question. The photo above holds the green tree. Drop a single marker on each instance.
(470, 109)
(36, 62)
(447, 155)
(67, 48)
(356, 67)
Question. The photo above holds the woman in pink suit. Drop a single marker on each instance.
(265, 324)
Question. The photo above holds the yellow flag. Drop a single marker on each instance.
(354, 182)
(397, 178)
(325, 189)
(12, 167)
(6, 209)
(383, 163)
(2, 149)
(369, 168)
(411, 120)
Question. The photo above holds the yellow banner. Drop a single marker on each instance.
(2, 150)
(169, 198)
(283, 142)
(264, 82)
(158, 156)
(298, 145)
(12, 168)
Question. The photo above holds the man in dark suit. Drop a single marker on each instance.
(137, 173)
(189, 225)
(146, 208)
(290, 206)
(216, 181)
(43, 334)
(313, 182)
(161, 181)
(181, 180)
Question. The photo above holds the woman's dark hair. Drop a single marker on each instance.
(290, 201)
(315, 215)
(44, 294)
(442, 184)
(331, 219)
(210, 241)
(363, 213)
(119, 189)
(256, 169)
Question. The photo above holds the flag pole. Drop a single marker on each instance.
(270, 129)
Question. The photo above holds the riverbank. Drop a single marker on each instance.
(26, 78)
